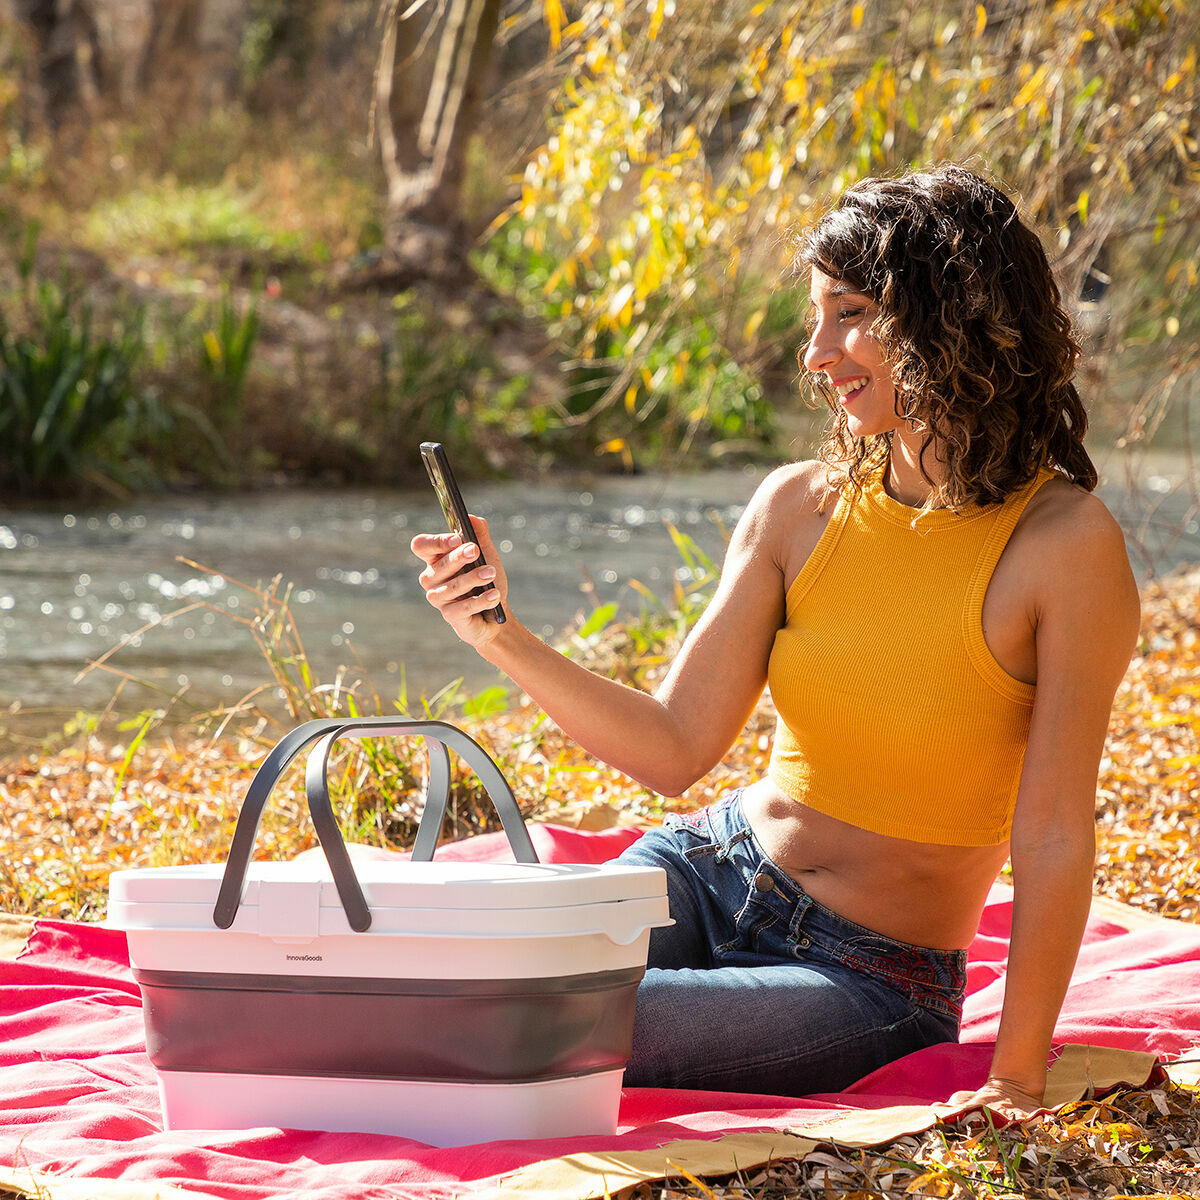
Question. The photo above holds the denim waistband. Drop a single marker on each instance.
(934, 979)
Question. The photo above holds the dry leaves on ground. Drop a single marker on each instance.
(1132, 1143)
(1148, 797)
(72, 816)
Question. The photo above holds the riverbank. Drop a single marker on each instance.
(79, 583)
(116, 582)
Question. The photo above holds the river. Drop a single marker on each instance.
(74, 583)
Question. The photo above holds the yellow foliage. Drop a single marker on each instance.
(555, 19)
(691, 137)
(1033, 89)
(620, 306)
(656, 18)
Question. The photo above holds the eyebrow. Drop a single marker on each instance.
(845, 289)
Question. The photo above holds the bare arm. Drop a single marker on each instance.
(669, 740)
(1086, 614)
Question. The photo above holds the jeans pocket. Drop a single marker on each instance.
(910, 970)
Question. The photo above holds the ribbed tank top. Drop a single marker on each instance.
(893, 715)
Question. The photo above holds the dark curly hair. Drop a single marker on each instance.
(972, 323)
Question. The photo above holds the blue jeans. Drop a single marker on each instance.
(758, 988)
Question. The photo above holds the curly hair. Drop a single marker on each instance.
(972, 323)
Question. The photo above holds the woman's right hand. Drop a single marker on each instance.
(445, 554)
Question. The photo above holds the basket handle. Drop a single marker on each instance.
(438, 734)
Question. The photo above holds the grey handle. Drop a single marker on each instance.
(438, 734)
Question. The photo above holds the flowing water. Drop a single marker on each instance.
(75, 583)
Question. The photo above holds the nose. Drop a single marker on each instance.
(823, 349)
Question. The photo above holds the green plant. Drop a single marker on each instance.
(261, 37)
(642, 389)
(434, 378)
(376, 783)
(638, 649)
(427, 367)
(664, 624)
(226, 349)
(64, 386)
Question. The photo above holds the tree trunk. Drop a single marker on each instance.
(96, 56)
(62, 76)
(432, 79)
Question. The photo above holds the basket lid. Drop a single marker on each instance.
(405, 884)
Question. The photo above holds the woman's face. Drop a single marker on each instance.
(844, 350)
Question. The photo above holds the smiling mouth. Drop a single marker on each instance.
(849, 389)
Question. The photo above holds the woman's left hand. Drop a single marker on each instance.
(1003, 1097)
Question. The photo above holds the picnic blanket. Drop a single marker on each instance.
(79, 1110)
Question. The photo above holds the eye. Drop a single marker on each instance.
(850, 314)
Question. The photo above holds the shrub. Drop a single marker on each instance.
(64, 387)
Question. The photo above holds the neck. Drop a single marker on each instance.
(905, 481)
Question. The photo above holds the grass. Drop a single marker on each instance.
(172, 218)
(214, 188)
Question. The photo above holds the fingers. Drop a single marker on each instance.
(458, 611)
(1008, 1101)
(431, 546)
(444, 551)
(442, 589)
(446, 556)
(451, 575)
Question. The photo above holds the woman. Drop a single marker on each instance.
(943, 613)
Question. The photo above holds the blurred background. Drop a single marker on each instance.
(252, 252)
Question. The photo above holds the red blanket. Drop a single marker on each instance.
(78, 1097)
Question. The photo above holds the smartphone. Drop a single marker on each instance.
(441, 476)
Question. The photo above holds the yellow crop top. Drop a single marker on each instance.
(893, 714)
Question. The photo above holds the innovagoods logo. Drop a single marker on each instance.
(305, 957)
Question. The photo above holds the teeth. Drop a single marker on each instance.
(851, 385)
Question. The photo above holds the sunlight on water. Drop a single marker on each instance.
(77, 583)
(74, 584)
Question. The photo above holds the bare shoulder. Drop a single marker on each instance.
(1066, 524)
(1074, 551)
(787, 514)
(796, 490)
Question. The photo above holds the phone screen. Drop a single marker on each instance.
(437, 465)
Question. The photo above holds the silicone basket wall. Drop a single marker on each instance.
(448, 1002)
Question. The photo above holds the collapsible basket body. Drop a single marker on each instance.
(449, 1002)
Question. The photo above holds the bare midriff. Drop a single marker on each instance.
(927, 895)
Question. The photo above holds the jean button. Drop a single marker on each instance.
(803, 942)
(763, 882)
